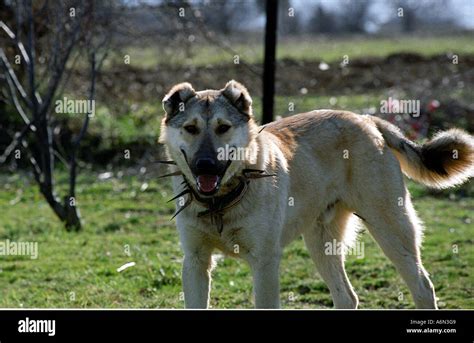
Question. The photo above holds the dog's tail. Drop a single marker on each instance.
(444, 161)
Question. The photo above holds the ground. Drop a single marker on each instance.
(126, 216)
(127, 220)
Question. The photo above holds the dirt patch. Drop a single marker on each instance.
(413, 73)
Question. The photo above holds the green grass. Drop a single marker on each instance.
(335, 49)
(121, 214)
(80, 269)
(302, 48)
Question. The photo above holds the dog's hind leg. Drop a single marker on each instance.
(330, 264)
(392, 221)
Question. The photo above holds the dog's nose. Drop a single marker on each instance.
(206, 165)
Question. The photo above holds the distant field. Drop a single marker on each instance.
(308, 48)
(131, 214)
(138, 120)
(142, 122)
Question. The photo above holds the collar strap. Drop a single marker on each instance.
(216, 206)
(223, 202)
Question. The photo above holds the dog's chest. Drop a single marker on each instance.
(234, 239)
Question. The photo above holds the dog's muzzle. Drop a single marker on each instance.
(208, 173)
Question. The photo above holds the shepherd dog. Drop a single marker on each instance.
(249, 190)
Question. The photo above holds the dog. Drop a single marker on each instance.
(315, 174)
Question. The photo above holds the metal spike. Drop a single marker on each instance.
(166, 162)
(252, 171)
(359, 216)
(186, 191)
(255, 173)
(176, 173)
(260, 176)
(219, 223)
(204, 213)
(186, 204)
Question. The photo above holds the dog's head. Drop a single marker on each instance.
(209, 133)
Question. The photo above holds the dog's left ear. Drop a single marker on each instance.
(174, 101)
(239, 96)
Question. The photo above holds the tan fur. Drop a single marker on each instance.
(331, 164)
(452, 151)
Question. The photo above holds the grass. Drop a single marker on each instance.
(200, 54)
(130, 214)
(331, 50)
(127, 219)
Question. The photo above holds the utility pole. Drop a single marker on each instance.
(269, 61)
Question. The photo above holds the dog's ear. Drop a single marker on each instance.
(239, 96)
(174, 101)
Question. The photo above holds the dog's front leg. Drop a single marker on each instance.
(196, 279)
(266, 283)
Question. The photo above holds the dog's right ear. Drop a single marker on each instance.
(239, 96)
(174, 101)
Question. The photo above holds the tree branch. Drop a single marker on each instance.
(59, 69)
(30, 52)
(18, 43)
(11, 73)
(14, 143)
(16, 103)
(77, 142)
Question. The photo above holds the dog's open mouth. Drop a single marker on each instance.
(209, 181)
(208, 184)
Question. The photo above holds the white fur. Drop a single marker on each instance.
(327, 189)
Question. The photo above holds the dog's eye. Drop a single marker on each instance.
(192, 129)
(223, 128)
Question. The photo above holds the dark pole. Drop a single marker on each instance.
(269, 62)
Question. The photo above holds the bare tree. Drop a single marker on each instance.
(354, 15)
(322, 21)
(71, 25)
(419, 12)
(288, 19)
(226, 17)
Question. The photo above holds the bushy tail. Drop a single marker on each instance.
(444, 161)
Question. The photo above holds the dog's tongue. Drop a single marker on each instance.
(207, 183)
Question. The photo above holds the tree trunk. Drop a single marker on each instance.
(72, 219)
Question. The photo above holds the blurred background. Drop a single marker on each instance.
(339, 54)
(330, 54)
